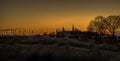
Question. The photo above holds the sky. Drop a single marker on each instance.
(49, 15)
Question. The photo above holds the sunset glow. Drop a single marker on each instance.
(49, 15)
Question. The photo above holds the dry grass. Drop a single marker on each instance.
(55, 49)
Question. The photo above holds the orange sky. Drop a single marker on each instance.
(49, 15)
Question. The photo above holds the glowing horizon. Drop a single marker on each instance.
(49, 15)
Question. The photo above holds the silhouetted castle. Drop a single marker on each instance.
(75, 33)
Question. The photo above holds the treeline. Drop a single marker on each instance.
(105, 25)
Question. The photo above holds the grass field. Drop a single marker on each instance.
(56, 49)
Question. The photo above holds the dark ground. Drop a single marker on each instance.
(56, 49)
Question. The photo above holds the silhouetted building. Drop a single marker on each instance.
(75, 33)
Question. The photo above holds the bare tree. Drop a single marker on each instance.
(112, 24)
(100, 24)
(97, 25)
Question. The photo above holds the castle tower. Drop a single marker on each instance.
(73, 28)
(63, 29)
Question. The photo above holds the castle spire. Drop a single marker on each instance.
(73, 29)
(63, 29)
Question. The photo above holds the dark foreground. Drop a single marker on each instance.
(56, 49)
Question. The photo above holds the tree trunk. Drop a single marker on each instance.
(113, 34)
